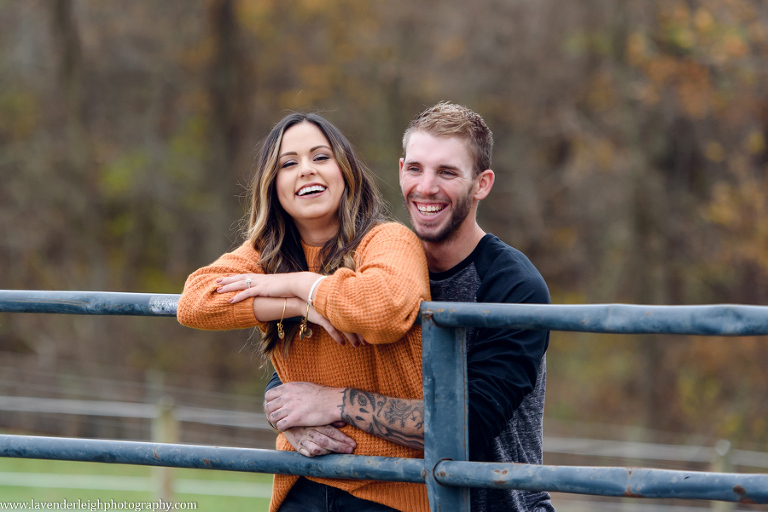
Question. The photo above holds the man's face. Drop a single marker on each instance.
(438, 182)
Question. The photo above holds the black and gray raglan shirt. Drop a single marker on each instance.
(506, 368)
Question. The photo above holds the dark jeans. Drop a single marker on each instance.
(309, 496)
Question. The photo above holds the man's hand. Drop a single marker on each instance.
(303, 404)
(313, 441)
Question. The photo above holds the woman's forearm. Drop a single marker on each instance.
(267, 309)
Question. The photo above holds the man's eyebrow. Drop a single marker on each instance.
(448, 167)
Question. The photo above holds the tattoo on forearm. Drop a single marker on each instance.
(397, 420)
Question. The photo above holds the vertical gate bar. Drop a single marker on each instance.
(445, 410)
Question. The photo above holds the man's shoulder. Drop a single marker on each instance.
(505, 270)
(493, 255)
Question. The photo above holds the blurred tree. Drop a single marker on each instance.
(631, 161)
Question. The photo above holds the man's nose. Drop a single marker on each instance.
(427, 184)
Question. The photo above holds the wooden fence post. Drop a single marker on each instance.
(165, 429)
(721, 464)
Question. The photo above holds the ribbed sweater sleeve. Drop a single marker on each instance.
(380, 299)
(201, 307)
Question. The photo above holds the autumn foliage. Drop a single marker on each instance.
(631, 160)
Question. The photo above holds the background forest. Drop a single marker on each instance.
(631, 159)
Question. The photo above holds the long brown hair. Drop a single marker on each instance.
(272, 231)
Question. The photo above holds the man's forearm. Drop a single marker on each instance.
(306, 404)
(394, 419)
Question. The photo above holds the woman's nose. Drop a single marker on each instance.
(307, 169)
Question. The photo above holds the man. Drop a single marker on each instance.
(444, 174)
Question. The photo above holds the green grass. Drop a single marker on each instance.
(24, 480)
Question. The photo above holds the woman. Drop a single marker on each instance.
(318, 248)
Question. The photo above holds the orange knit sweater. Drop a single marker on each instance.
(379, 300)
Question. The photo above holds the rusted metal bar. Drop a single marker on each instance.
(88, 303)
(445, 387)
(608, 481)
(711, 320)
(725, 320)
(604, 481)
(445, 410)
(211, 457)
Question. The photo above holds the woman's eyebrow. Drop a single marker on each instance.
(294, 153)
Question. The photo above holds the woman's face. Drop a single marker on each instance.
(309, 182)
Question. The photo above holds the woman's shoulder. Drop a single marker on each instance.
(390, 240)
(390, 229)
(246, 250)
(244, 256)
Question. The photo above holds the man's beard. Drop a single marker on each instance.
(460, 212)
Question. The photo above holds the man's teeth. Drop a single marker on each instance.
(430, 208)
(310, 190)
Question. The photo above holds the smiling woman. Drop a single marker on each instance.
(309, 182)
(318, 247)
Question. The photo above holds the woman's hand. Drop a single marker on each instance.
(341, 337)
(261, 285)
(284, 286)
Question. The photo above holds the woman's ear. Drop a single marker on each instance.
(483, 184)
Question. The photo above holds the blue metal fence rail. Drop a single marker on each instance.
(444, 469)
(88, 303)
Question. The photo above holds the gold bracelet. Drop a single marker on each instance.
(303, 327)
(280, 331)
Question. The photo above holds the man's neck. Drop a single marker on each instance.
(445, 255)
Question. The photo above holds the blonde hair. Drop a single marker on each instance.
(272, 231)
(451, 120)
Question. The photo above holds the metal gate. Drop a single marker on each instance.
(444, 469)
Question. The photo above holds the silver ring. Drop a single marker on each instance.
(249, 282)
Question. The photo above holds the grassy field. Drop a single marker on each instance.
(25, 480)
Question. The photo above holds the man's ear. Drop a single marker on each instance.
(483, 184)
(400, 170)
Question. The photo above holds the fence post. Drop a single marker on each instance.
(445, 410)
(165, 429)
(721, 463)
